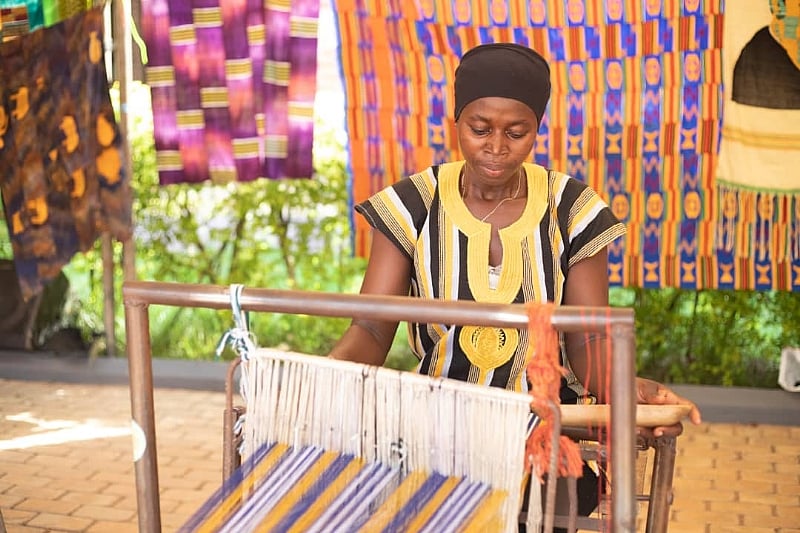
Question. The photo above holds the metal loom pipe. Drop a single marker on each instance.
(400, 308)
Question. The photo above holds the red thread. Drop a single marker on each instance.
(544, 374)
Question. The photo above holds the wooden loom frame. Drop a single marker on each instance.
(139, 295)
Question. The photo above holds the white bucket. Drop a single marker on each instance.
(789, 374)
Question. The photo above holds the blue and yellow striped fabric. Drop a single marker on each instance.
(285, 489)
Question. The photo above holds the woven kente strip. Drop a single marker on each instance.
(232, 86)
(285, 489)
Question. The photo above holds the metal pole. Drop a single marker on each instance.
(661, 484)
(623, 432)
(230, 443)
(552, 475)
(140, 371)
(123, 69)
(399, 308)
(107, 253)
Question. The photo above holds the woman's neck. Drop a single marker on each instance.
(471, 188)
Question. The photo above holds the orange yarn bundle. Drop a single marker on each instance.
(544, 374)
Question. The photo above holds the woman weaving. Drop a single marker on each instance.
(492, 228)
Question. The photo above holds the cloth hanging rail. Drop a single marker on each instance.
(139, 295)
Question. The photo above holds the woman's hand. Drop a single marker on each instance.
(654, 393)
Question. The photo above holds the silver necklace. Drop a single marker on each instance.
(501, 202)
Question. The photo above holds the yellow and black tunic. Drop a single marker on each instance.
(424, 215)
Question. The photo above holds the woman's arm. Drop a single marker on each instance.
(587, 285)
(388, 273)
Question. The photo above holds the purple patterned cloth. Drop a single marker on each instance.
(232, 85)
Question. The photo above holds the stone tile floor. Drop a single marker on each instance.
(66, 463)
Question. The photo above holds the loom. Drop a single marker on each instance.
(456, 461)
(418, 439)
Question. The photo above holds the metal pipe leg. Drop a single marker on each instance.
(230, 442)
(661, 485)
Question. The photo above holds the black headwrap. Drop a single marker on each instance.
(503, 69)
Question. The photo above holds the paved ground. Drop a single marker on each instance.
(65, 463)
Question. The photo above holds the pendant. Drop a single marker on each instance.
(488, 348)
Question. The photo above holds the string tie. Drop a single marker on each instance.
(239, 337)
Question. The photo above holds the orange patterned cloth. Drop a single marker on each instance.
(61, 158)
(636, 112)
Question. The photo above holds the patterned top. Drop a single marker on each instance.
(424, 215)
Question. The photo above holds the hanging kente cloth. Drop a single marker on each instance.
(759, 164)
(232, 86)
(61, 171)
(635, 112)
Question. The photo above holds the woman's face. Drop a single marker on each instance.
(496, 136)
